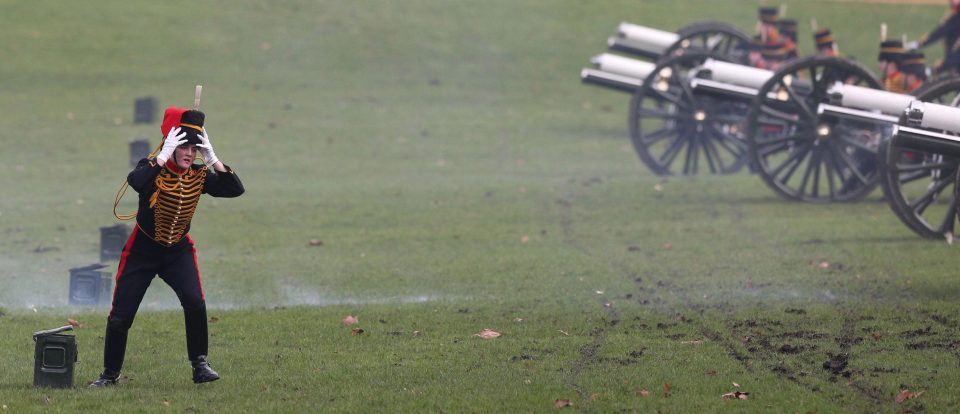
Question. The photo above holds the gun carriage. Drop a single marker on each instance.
(920, 160)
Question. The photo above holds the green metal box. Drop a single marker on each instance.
(55, 356)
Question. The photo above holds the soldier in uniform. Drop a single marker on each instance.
(767, 26)
(775, 54)
(169, 188)
(949, 31)
(823, 38)
(891, 54)
(788, 32)
(914, 68)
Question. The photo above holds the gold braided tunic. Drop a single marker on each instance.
(174, 202)
(895, 83)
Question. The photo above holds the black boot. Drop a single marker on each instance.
(202, 372)
(107, 378)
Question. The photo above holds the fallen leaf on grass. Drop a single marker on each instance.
(736, 385)
(668, 246)
(824, 265)
(711, 373)
(561, 403)
(643, 393)
(487, 334)
(666, 389)
(350, 320)
(417, 333)
(214, 319)
(906, 394)
(524, 239)
(563, 332)
(736, 395)
(166, 403)
(876, 337)
(356, 331)
(74, 323)
(315, 242)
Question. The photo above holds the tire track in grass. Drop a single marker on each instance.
(589, 354)
(768, 358)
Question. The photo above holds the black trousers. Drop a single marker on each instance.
(141, 260)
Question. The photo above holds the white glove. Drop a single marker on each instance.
(912, 45)
(206, 148)
(173, 140)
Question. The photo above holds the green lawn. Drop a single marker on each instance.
(460, 178)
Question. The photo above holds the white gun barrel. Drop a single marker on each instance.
(610, 80)
(856, 114)
(735, 74)
(623, 65)
(852, 96)
(633, 47)
(934, 116)
(651, 39)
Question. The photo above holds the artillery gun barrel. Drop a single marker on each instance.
(852, 96)
(610, 80)
(735, 74)
(647, 38)
(633, 47)
(721, 88)
(933, 116)
(855, 114)
(622, 65)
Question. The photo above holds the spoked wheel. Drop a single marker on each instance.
(713, 37)
(803, 155)
(920, 186)
(676, 130)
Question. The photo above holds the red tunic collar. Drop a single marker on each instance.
(172, 166)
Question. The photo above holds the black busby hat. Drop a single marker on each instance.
(788, 27)
(191, 122)
(891, 50)
(768, 14)
(823, 38)
(914, 63)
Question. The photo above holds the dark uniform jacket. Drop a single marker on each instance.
(168, 197)
(949, 31)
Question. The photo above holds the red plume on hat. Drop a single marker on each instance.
(171, 119)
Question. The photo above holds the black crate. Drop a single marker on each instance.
(112, 239)
(54, 358)
(139, 149)
(144, 110)
(90, 287)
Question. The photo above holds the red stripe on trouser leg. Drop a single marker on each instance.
(123, 263)
(196, 265)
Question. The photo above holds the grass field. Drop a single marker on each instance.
(460, 178)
